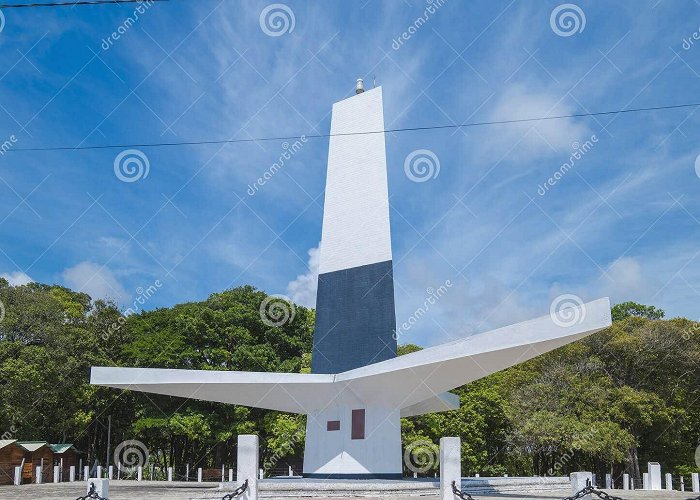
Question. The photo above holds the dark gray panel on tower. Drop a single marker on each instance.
(355, 318)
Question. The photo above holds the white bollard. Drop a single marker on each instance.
(261, 474)
(139, 473)
(86, 473)
(56, 474)
(247, 464)
(669, 481)
(625, 481)
(476, 475)
(101, 486)
(290, 471)
(230, 475)
(608, 481)
(71, 474)
(645, 481)
(696, 482)
(579, 480)
(110, 472)
(187, 472)
(170, 474)
(654, 475)
(199, 475)
(682, 483)
(18, 476)
(99, 472)
(39, 472)
(450, 466)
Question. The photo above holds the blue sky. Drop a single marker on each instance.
(623, 221)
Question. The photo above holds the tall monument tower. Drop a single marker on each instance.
(355, 315)
(358, 388)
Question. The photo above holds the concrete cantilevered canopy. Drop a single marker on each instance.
(415, 383)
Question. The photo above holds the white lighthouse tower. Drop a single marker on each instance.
(358, 388)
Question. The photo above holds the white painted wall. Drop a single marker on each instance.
(334, 452)
(356, 228)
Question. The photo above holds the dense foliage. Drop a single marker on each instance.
(611, 402)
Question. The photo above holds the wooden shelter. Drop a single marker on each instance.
(36, 453)
(10, 457)
(65, 455)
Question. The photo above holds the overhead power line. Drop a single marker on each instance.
(69, 4)
(319, 136)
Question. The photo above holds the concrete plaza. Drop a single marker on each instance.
(158, 490)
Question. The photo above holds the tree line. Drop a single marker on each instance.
(608, 403)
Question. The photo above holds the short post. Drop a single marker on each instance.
(71, 474)
(450, 466)
(625, 481)
(187, 472)
(56, 474)
(247, 464)
(153, 466)
(476, 475)
(101, 486)
(170, 474)
(654, 475)
(645, 480)
(18, 476)
(261, 474)
(99, 472)
(682, 483)
(579, 480)
(110, 472)
(199, 475)
(608, 481)
(223, 472)
(290, 471)
(86, 473)
(139, 473)
(230, 475)
(669, 481)
(39, 473)
(696, 482)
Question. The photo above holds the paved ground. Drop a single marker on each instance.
(130, 490)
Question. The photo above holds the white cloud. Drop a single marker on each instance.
(528, 141)
(625, 280)
(17, 278)
(97, 281)
(302, 290)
